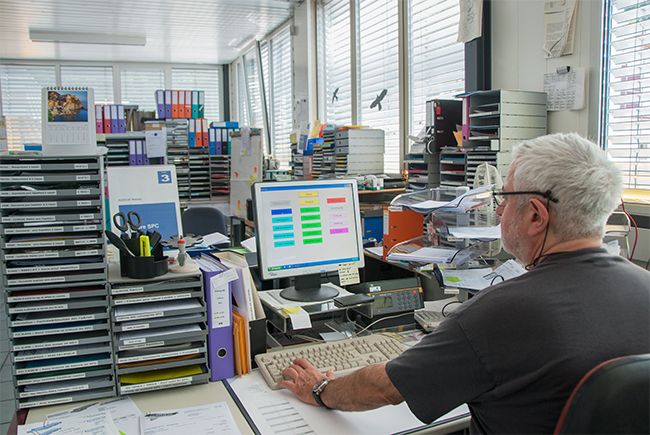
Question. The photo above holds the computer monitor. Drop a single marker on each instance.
(305, 228)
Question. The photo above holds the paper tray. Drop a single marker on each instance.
(81, 338)
(93, 239)
(102, 360)
(160, 385)
(51, 294)
(135, 287)
(68, 267)
(49, 178)
(67, 375)
(45, 204)
(54, 253)
(157, 314)
(62, 389)
(19, 218)
(160, 340)
(160, 323)
(71, 304)
(39, 163)
(64, 352)
(66, 398)
(56, 286)
(201, 360)
(65, 317)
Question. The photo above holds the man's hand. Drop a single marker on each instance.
(301, 377)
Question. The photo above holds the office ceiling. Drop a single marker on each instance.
(177, 31)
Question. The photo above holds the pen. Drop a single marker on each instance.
(145, 247)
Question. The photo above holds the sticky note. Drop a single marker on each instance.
(348, 274)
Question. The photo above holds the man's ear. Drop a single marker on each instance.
(537, 216)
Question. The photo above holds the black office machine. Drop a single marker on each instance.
(391, 297)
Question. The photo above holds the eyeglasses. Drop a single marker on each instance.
(499, 195)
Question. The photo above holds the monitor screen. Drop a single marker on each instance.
(307, 227)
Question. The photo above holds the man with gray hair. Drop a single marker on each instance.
(515, 351)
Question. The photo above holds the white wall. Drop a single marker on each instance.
(518, 60)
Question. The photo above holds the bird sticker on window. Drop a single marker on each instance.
(379, 99)
(335, 95)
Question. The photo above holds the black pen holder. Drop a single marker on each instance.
(143, 267)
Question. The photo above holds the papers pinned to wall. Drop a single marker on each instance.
(565, 89)
(559, 27)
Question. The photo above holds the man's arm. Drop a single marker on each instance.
(367, 388)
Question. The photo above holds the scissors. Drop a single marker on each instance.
(128, 223)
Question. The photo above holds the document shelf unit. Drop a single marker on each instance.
(117, 145)
(417, 168)
(159, 331)
(199, 174)
(219, 175)
(178, 155)
(359, 151)
(453, 165)
(497, 120)
(53, 273)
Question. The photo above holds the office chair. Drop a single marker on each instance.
(204, 220)
(613, 397)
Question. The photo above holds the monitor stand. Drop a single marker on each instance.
(308, 288)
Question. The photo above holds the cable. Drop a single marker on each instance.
(446, 305)
(636, 230)
(495, 277)
(384, 318)
(307, 338)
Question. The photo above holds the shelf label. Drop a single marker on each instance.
(152, 299)
(158, 356)
(81, 165)
(86, 253)
(45, 345)
(20, 167)
(85, 242)
(53, 254)
(56, 390)
(27, 281)
(34, 230)
(84, 227)
(52, 320)
(125, 290)
(38, 308)
(86, 216)
(19, 179)
(155, 385)
(40, 269)
(13, 299)
(27, 371)
(50, 402)
(135, 327)
(35, 244)
(21, 382)
(22, 334)
(20, 358)
(84, 203)
(139, 316)
(82, 178)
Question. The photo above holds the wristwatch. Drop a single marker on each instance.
(317, 390)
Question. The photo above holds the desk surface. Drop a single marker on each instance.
(182, 397)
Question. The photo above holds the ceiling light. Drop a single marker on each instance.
(86, 38)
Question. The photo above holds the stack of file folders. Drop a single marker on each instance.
(53, 274)
(118, 147)
(219, 175)
(159, 328)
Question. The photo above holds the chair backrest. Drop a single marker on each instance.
(613, 397)
(204, 220)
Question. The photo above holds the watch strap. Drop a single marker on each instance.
(317, 390)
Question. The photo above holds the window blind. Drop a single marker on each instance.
(436, 60)
(627, 98)
(207, 80)
(242, 95)
(334, 59)
(21, 101)
(100, 78)
(281, 96)
(253, 86)
(378, 71)
(266, 74)
(139, 87)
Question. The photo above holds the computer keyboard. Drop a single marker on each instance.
(429, 320)
(343, 357)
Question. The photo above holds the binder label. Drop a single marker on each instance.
(13, 299)
(46, 356)
(125, 290)
(23, 179)
(21, 334)
(153, 299)
(81, 165)
(39, 269)
(158, 355)
(51, 402)
(86, 253)
(84, 227)
(135, 327)
(82, 178)
(56, 390)
(45, 345)
(85, 242)
(139, 316)
(35, 231)
(20, 382)
(219, 301)
(28, 371)
(27, 281)
(35, 244)
(38, 308)
(155, 385)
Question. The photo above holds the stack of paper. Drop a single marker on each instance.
(425, 255)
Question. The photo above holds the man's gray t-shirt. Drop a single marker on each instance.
(515, 351)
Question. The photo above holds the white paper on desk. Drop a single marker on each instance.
(250, 244)
(273, 299)
(215, 239)
(92, 423)
(124, 412)
(473, 279)
(280, 412)
(489, 233)
(471, 20)
(210, 419)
